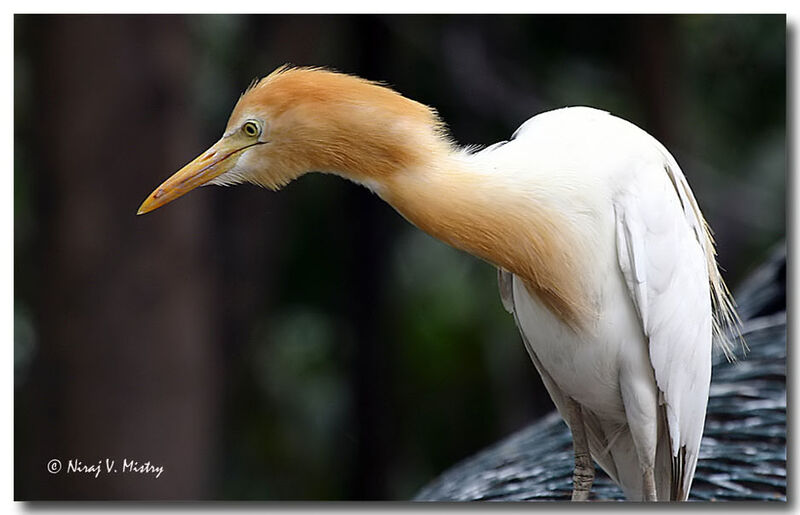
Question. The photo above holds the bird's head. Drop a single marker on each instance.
(298, 120)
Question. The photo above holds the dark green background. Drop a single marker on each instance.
(311, 344)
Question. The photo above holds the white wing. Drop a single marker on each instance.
(662, 247)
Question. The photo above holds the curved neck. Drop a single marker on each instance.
(477, 208)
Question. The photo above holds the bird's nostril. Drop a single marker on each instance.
(207, 157)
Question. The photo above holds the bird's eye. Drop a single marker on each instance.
(251, 129)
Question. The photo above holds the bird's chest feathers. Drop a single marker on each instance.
(528, 238)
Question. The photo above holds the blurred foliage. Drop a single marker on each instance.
(453, 374)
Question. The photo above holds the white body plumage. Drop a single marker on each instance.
(641, 371)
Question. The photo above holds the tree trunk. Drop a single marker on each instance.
(127, 365)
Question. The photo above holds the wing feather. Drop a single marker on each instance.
(663, 252)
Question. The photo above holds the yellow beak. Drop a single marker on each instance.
(206, 167)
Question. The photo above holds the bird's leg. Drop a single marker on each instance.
(649, 485)
(583, 474)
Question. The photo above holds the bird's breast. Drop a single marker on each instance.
(584, 364)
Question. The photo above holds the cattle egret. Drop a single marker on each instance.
(603, 255)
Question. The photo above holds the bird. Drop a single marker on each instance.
(603, 256)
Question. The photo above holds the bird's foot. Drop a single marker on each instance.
(580, 495)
